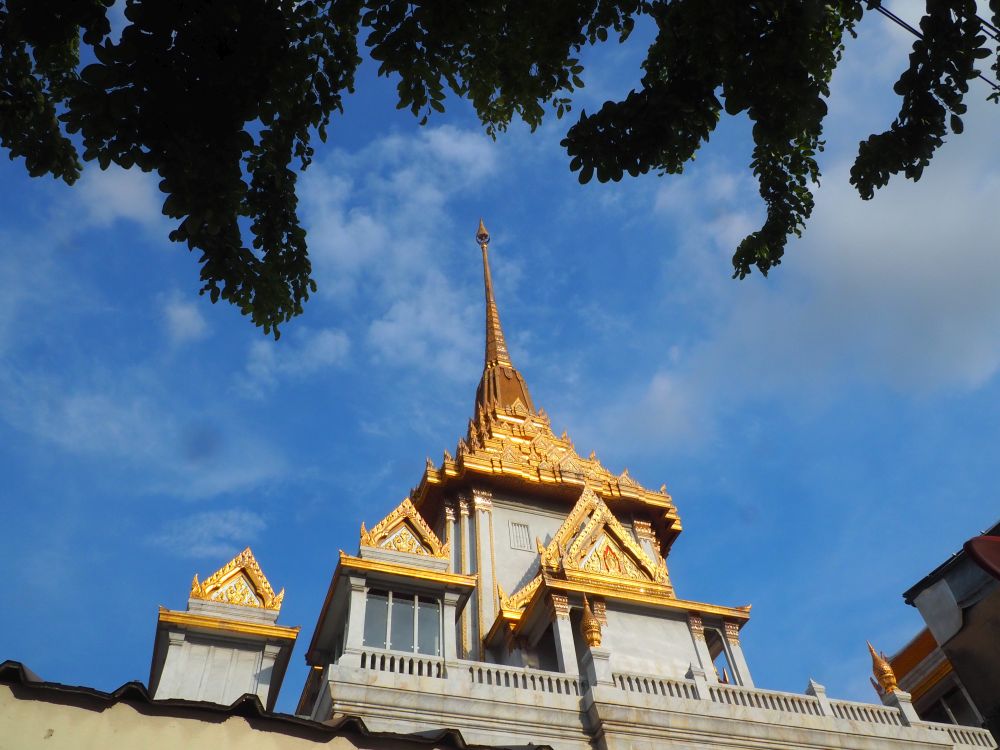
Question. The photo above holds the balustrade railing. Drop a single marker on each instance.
(651, 685)
(965, 736)
(522, 678)
(866, 712)
(558, 683)
(402, 663)
(773, 700)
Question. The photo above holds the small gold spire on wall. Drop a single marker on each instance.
(590, 628)
(883, 673)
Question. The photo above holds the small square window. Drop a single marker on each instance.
(520, 538)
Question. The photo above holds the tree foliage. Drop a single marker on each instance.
(221, 98)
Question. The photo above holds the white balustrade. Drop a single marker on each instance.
(402, 663)
(652, 685)
(521, 678)
(866, 712)
(773, 700)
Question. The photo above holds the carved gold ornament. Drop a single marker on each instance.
(404, 530)
(240, 581)
(592, 539)
(886, 678)
(590, 628)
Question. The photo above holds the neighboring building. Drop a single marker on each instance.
(938, 695)
(960, 602)
(520, 597)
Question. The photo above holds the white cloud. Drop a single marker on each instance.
(303, 353)
(379, 227)
(897, 293)
(217, 533)
(183, 320)
(115, 193)
(119, 418)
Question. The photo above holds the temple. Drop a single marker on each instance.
(520, 596)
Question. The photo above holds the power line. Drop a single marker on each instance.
(900, 22)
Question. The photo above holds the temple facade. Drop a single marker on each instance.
(521, 596)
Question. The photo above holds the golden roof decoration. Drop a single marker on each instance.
(240, 581)
(593, 539)
(590, 628)
(882, 670)
(404, 530)
(593, 545)
(511, 441)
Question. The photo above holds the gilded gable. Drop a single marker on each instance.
(404, 530)
(240, 581)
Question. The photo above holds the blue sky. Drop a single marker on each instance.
(829, 434)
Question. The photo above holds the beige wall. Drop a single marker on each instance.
(79, 722)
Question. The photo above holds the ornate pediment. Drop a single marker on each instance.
(404, 530)
(593, 545)
(593, 540)
(240, 581)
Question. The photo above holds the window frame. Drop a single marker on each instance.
(418, 600)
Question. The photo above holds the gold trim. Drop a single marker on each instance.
(740, 614)
(573, 549)
(193, 620)
(493, 567)
(240, 581)
(931, 679)
(404, 530)
(377, 566)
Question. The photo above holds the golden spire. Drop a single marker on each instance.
(590, 626)
(883, 673)
(496, 347)
(502, 385)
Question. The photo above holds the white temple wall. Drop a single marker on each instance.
(648, 644)
(515, 567)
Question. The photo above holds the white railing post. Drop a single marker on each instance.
(819, 693)
(700, 681)
(900, 700)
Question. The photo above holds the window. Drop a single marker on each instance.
(520, 538)
(403, 622)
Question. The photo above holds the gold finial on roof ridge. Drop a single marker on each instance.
(240, 581)
(883, 672)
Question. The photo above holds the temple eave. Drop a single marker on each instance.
(464, 470)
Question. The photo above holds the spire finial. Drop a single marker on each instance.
(502, 386)
(883, 672)
(496, 347)
(482, 236)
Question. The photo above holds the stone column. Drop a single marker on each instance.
(270, 655)
(355, 638)
(697, 628)
(486, 588)
(470, 649)
(171, 676)
(449, 648)
(737, 660)
(562, 630)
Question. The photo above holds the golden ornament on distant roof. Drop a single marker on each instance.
(886, 678)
